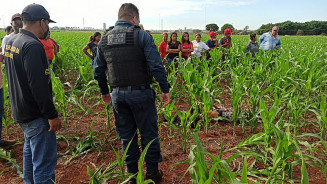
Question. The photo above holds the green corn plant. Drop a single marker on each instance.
(60, 98)
(296, 110)
(140, 176)
(170, 116)
(6, 118)
(207, 107)
(277, 148)
(101, 174)
(238, 93)
(184, 128)
(108, 117)
(207, 172)
(8, 156)
(254, 99)
(86, 145)
(321, 114)
(111, 172)
(120, 162)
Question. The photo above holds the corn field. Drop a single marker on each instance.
(277, 99)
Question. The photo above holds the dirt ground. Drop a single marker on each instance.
(76, 171)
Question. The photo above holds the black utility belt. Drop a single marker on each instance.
(126, 88)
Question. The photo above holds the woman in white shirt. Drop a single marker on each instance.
(199, 46)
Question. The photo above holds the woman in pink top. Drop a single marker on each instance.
(186, 46)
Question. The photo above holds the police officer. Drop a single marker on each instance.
(129, 56)
(30, 92)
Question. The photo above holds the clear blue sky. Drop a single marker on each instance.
(175, 14)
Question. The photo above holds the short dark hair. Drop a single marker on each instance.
(252, 36)
(127, 11)
(29, 22)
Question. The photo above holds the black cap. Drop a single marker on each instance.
(8, 28)
(16, 15)
(34, 12)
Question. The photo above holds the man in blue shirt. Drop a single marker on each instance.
(212, 42)
(130, 58)
(270, 40)
(30, 92)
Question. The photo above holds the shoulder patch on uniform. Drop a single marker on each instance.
(116, 38)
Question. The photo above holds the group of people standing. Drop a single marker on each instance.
(169, 50)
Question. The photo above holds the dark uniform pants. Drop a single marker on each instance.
(136, 109)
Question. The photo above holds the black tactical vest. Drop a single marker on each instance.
(125, 59)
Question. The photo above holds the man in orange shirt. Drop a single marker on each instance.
(49, 50)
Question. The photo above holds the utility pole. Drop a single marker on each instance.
(83, 23)
(205, 15)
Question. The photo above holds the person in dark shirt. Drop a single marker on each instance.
(129, 56)
(226, 43)
(173, 48)
(252, 46)
(30, 92)
(212, 42)
(16, 24)
(92, 46)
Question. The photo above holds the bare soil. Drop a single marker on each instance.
(171, 148)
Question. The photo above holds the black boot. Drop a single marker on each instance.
(155, 176)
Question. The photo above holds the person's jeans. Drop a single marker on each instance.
(53, 65)
(40, 152)
(171, 60)
(136, 109)
(1, 111)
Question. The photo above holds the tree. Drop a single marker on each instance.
(299, 32)
(245, 30)
(212, 27)
(227, 26)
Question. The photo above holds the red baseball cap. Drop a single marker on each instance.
(228, 31)
(17, 15)
(212, 33)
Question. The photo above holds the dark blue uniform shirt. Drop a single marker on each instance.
(29, 80)
(151, 54)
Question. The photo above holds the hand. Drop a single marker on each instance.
(276, 47)
(55, 124)
(165, 97)
(106, 99)
(90, 56)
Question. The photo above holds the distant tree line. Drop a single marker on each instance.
(285, 28)
(296, 28)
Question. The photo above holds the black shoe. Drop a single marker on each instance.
(2, 144)
(6, 144)
(155, 176)
(132, 181)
